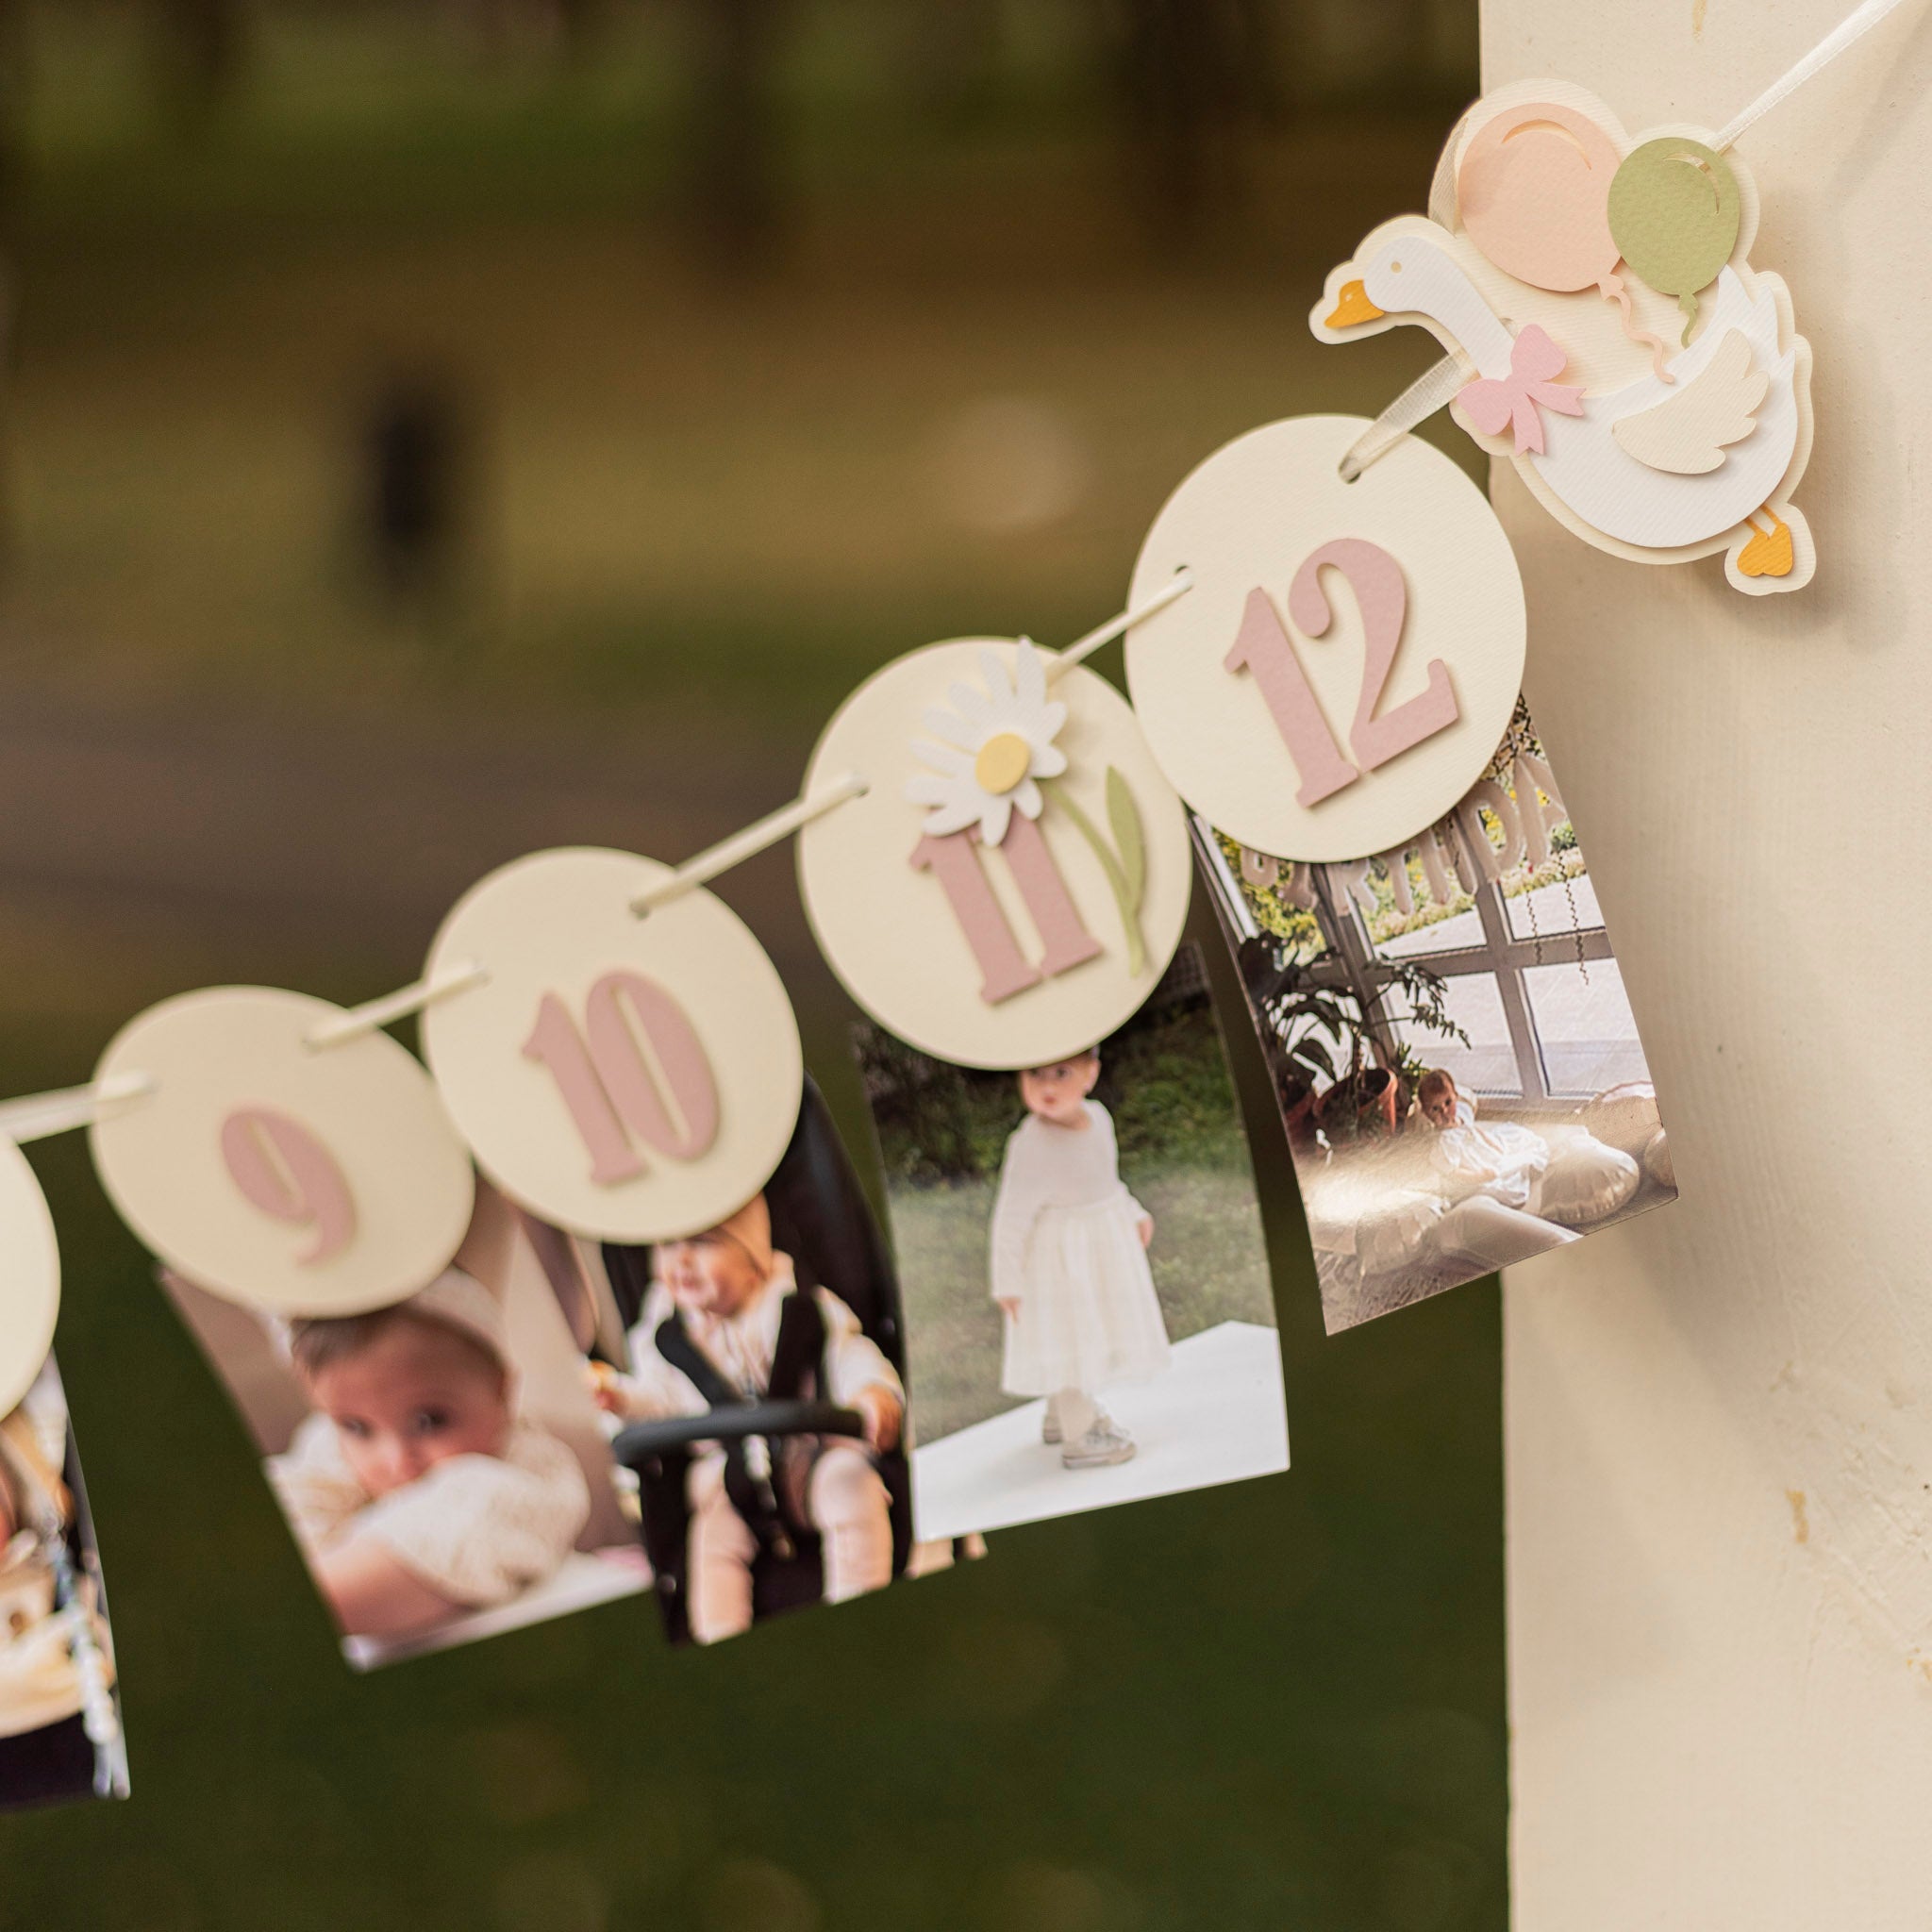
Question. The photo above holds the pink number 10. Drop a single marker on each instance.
(1263, 647)
(285, 1171)
(606, 1085)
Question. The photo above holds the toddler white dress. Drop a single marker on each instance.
(1066, 1246)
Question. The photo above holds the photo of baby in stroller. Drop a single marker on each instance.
(755, 1385)
(60, 1718)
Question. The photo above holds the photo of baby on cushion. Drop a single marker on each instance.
(439, 1461)
(1459, 1071)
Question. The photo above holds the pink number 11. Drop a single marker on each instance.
(1264, 647)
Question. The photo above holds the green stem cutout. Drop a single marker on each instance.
(1126, 876)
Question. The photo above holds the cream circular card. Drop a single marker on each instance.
(303, 1179)
(1015, 878)
(631, 1078)
(29, 1277)
(1350, 653)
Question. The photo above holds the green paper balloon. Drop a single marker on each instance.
(1675, 209)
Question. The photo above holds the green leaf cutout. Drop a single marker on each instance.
(1124, 817)
(1127, 898)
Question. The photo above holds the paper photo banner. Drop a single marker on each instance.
(1457, 1067)
(1615, 342)
(60, 1735)
(1090, 1319)
(1349, 650)
(1014, 878)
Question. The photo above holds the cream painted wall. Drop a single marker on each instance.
(1719, 1418)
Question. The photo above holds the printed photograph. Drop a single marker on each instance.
(59, 1710)
(753, 1378)
(441, 1461)
(1090, 1316)
(1457, 1067)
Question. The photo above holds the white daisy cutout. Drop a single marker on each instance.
(998, 743)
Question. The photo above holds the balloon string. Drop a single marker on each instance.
(1612, 289)
(1853, 27)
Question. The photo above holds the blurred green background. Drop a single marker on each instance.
(432, 432)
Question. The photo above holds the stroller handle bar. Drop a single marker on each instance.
(642, 1441)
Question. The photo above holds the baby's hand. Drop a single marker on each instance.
(1144, 1228)
(883, 1412)
(1009, 1305)
(606, 1388)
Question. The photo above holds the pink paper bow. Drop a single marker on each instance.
(1511, 402)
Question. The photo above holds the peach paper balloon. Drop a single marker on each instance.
(1534, 193)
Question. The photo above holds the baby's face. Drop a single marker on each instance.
(710, 1274)
(1440, 1107)
(1055, 1092)
(415, 1396)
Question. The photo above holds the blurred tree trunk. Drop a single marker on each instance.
(1193, 76)
(14, 56)
(952, 54)
(202, 50)
(732, 139)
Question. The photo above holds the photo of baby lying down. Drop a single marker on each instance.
(416, 1489)
(59, 1711)
(1459, 1071)
(1086, 1276)
(437, 1459)
(752, 1380)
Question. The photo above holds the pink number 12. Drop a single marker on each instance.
(1263, 647)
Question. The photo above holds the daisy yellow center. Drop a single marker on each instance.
(1002, 762)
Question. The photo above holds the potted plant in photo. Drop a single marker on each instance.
(1314, 1018)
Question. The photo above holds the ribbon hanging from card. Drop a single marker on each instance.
(628, 1070)
(1350, 651)
(294, 1176)
(1015, 879)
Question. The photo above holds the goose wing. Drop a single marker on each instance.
(1686, 433)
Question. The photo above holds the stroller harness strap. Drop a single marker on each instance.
(797, 1372)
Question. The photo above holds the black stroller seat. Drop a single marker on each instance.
(822, 1219)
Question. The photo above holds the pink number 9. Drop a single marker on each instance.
(285, 1171)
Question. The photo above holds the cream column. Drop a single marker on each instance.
(1719, 1418)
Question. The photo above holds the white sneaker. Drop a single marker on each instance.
(1103, 1445)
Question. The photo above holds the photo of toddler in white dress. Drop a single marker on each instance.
(1088, 1314)
(1070, 1266)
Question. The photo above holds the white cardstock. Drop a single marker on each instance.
(303, 1179)
(1244, 525)
(884, 922)
(632, 1078)
(29, 1277)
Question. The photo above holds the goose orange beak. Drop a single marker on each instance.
(1353, 305)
